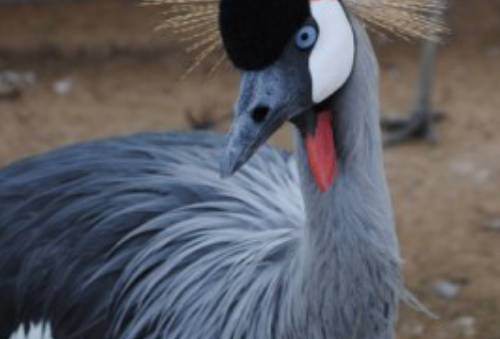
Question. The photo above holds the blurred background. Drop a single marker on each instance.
(77, 70)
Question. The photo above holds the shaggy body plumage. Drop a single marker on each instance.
(139, 237)
(141, 230)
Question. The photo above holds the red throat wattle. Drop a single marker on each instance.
(321, 152)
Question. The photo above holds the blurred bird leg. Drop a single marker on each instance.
(420, 124)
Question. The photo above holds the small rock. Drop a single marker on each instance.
(462, 167)
(413, 329)
(465, 327)
(472, 170)
(482, 176)
(12, 83)
(494, 225)
(63, 87)
(8, 91)
(446, 289)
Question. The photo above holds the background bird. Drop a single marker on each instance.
(420, 123)
(139, 237)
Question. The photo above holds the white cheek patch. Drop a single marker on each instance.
(332, 58)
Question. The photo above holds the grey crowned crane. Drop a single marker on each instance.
(141, 237)
(420, 123)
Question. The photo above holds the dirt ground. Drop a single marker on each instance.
(100, 71)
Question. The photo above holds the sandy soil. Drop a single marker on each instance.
(124, 79)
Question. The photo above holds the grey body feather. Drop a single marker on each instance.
(141, 230)
(138, 237)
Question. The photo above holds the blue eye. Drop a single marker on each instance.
(306, 37)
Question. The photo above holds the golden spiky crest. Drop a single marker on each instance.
(195, 22)
(421, 19)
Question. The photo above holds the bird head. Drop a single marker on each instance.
(293, 57)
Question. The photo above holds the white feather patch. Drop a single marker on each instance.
(38, 331)
(332, 58)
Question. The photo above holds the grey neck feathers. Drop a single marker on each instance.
(349, 239)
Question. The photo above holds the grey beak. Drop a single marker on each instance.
(247, 134)
(268, 98)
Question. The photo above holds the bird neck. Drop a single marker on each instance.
(349, 231)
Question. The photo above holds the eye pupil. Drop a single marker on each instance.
(306, 37)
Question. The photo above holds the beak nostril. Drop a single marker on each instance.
(260, 113)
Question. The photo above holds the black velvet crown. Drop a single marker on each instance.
(256, 32)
